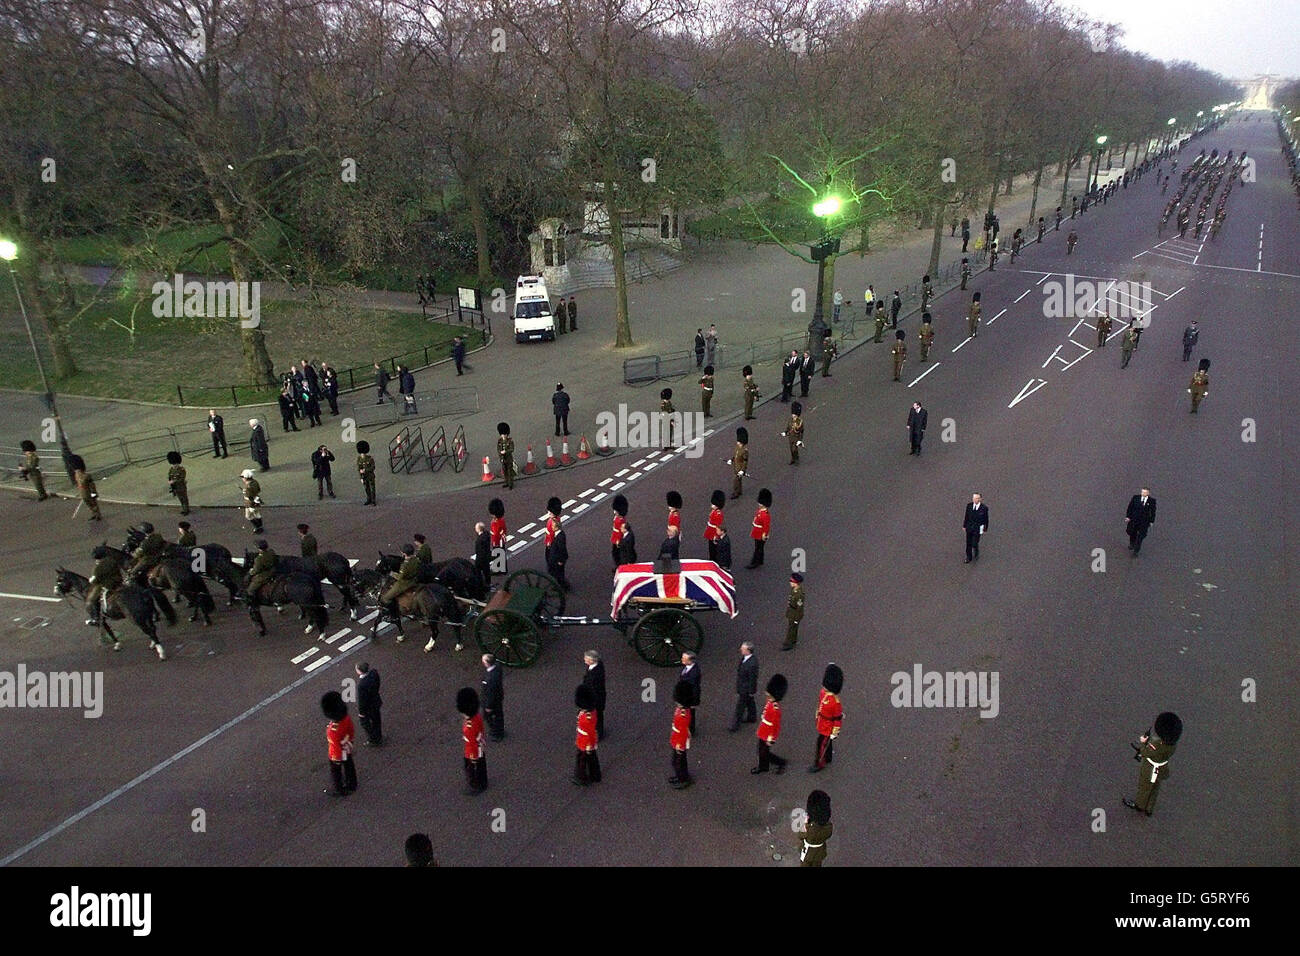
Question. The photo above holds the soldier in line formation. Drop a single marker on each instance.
(31, 469)
(506, 454)
(751, 391)
(667, 410)
(366, 470)
(973, 315)
(926, 335)
(900, 353)
(1200, 384)
(177, 484)
(706, 390)
(794, 432)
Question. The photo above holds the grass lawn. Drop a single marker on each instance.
(196, 353)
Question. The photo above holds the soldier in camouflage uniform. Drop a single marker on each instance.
(31, 469)
(900, 354)
(366, 469)
(176, 482)
(793, 612)
(926, 335)
(1200, 386)
(751, 392)
(506, 454)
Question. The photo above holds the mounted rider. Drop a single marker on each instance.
(408, 577)
(263, 569)
(104, 580)
(146, 557)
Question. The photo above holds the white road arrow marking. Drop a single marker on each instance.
(1028, 390)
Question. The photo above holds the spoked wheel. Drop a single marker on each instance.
(661, 636)
(511, 636)
(552, 601)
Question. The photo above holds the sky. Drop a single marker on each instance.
(1236, 38)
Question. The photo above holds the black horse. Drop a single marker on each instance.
(427, 604)
(214, 561)
(124, 559)
(457, 574)
(130, 600)
(293, 587)
(175, 572)
(329, 564)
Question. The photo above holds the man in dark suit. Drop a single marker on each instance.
(560, 405)
(917, 418)
(789, 370)
(976, 523)
(746, 688)
(1139, 519)
(691, 675)
(217, 427)
(699, 348)
(483, 553)
(806, 369)
(493, 697)
(594, 678)
(369, 703)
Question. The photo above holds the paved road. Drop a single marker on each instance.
(1085, 659)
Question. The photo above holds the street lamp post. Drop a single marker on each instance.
(1101, 141)
(1169, 135)
(823, 210)
(9, 252)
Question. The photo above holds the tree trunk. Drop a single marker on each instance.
(1011, 179)
(864, 245)
(936, 240)
(258, 369)
(622, 325)
(46, 312)
(1065, 182)
(1033, 203)
(477, 215)
(997, 179)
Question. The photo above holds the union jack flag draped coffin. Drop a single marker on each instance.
(700, 581)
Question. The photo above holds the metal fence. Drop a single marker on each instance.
(350, 379)
(439, 403)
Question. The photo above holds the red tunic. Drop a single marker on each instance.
(675, 519)
(769, 728)
(586, 730)
(830, 713)
(551, 527)
(762, 525)
(681, 737)
(714, 526)
(620, 530)
(498, 531)
(339, 733)
(471, 732)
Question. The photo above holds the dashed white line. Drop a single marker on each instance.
(581, 508)
(605, 482)
(352, 643)
(368, 618)
(600, 496)
(638, 464)
(32, 597)
(318, 662)
(1140, 254)
(538, 533)
(1000, 314)
(570, 502)
(651, 464)
(1172, 294)
(335, 637)
(1022, 295)
(924, 374)
(963, 342)
(589, 491)
(619, 485)
(304, 655)
(523, 544)
(526, 528)
(620, 474)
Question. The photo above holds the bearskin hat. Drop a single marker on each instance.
(1169, 727)
(419, 850)
(926, 278)
(584, 698)
(77, 462)
(363, 448)
(926, 318)
(467, 701)
(742, 435)
(666, 393)
(674, 499)
(173, 458)
(797, 578)
(796, 408)
(708, 370)
(99, 552)
(747, 370)
(620, 505)
(777, 685)
(1204, 365)
(900, 335)
(553, 505)
(408, 549)
(975, 297)
(718, 499)
(880, 305)
(497, 508)
(503, 428)
(304, 528)
(146, 527)
(332, 705)
(819, 807)
(765, 498)
(27, 445)
(684, 693)
(262, 545)
(833, 679)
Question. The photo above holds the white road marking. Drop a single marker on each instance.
(1028, 390)
(526, 528)
(1049, 358)
(1260, 258)
(1046, 276)
(924, 374)
(963, 342)
(352, 643)
(570, 503)
(1086, 352)
(651, 464)
(368, 618)
(1022, 295)
(581, 508)
(1172, 294)
(589, 491)
(1000, 314)
(318, 662)
(619, 485)
(604, 483)
(304, 655)
(520, 544)
(600, 496)
(620, 474)
(538, 533)
(32, 597)
(638, 464)
(334, 637)
(1140, 254)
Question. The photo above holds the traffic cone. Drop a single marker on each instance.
(530, 466)
(487, 471)
(565, 457)
(603, 448)
(550, 457)
(584, 450)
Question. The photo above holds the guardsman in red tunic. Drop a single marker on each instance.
(497, 529)
(674, 512)
(684, 697)
(830, 716)
(340, 734)
(622, 543)
(471, 734)
(714, 528)
(587, 768)
(761, 527)
(769, 725)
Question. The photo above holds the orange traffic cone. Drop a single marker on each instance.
(487, 470)
(550, 457)
(584, 450)
(565, 457)
(530, 466)
(603, 448)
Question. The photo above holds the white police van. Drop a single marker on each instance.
(533, 319)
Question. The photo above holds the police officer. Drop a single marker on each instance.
(31, 469)
(366, 470)
(176, 482)
(793, 612)
(794, 432)
(900, 353)
(1200, 386)
(706, 390)
(739, 461)
(187, 538)
(1154, 750)
(1190, 335)
(1103, 330)
(973, 315)
(751, 392)
(926, 335)
(506, 454)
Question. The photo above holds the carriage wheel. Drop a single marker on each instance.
(511, 636)
(552, 602)
(662, 635)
